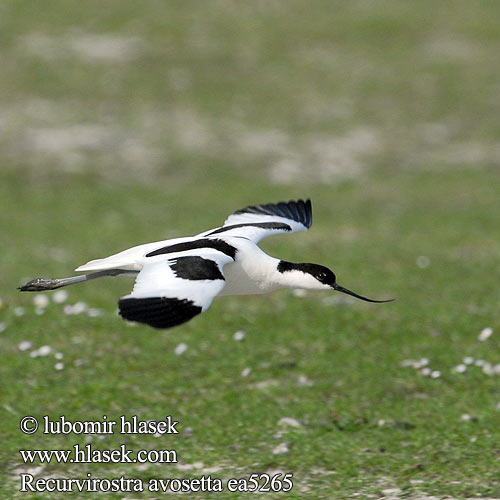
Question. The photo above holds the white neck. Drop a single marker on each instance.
(259, 274)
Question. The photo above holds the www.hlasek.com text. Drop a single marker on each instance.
(87, 455)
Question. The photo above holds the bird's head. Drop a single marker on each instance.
(318, 277)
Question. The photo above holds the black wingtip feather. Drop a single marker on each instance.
(158, 312)
(297, 210)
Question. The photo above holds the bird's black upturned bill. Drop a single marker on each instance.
(349, 292)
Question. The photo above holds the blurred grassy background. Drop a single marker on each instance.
(128, 122)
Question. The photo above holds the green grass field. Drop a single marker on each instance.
(127, 122)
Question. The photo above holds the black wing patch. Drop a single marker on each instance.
(193, 267)
(279, 226)
(158, 312)
(214, 243)
(299, 211)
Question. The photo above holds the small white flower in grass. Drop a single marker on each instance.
(423, 261)
(280, 449)
(39, 311)
(435, 374)
(3, 326)
(195, 465)
(479, 362)
(181, 349)
(245, 372)
(78, 362)
(473, 439)
(496, 369)
(498, 406)
(29, 470)
(24, 345)
(468, 360)
(392, 492)
(304, 381)
(239, 335)
(60, 296)
(59, 366)
(40, 300)
(466, 417)
(409, 363)
(289, 422)
(460, 368)
(79, 307)
(19, 311)
(299, 292)
(426, 371)
(485, 334)
(488, 369)
(45, 350)
(94, 313)
(59, 355)
(264, 384)
(420, 363)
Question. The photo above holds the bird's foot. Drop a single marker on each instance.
(40, 284)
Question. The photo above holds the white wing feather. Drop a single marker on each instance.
(171, 290)
(128, 259)
(157, 279)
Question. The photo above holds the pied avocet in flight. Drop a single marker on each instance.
(179, 278)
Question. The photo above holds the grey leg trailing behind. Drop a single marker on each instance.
(42, 284)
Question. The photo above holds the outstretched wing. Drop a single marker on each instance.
(258, 221)
(169, 292)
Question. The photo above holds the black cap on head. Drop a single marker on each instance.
(321, 273)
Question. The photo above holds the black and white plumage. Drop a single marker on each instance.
(178, 279)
